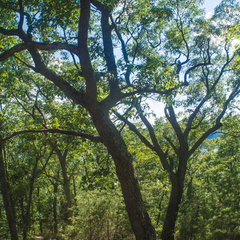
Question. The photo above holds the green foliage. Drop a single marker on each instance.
(100, 215)
(166, 48)
(210, 209)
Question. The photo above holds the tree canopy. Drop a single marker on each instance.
(77, 78)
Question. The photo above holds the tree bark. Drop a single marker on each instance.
(177, 183)
(66, 182)
(27, 215)
(138, 216)
(7, 199)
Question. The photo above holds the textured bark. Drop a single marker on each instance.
(138, 216)
(172, 211)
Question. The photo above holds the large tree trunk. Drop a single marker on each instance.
(7, 199)
(138, 216)
(177, 182)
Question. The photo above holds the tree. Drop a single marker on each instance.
(206, 74)
(213, 173)
(7, 196)
(167, 53)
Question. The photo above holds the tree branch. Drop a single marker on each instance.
(85, 61)
(192, 117)
(12, 32)
(125, 54)
(171, 116)
(133, 128)
(218, 123)
(156, 148)
(39, 46)
(205, 63)
(90, 137)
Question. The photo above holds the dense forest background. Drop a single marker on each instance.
(84, 154)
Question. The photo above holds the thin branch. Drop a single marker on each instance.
(218, 123)
(228, 61)
(125, 54)
(171, 116)
(21, 13)
(133, 128)
(150, 130)
(192, 68)
(90, 137)
(193, 115)
(205, 63)
(183, 36)
(172, 145)
(156, 147)
(25, 109)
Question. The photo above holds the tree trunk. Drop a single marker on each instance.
(27, 215)
(55, 213)
(138, 216)
(173, 207)
(62, 157)
(67, 189)
(7, 199)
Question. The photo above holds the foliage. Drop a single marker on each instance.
(75, 74)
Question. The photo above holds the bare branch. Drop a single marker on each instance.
(192, 68)
(192, 117)
(155, 146)
(151, 131)
(228, 61)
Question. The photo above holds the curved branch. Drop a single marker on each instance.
(40, 67)
(192, 68)
(39, 46)
(205, 63)
(218, 123)
(90, 137)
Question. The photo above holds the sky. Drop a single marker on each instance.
(209, 5)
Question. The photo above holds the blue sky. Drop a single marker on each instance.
(209, 5)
